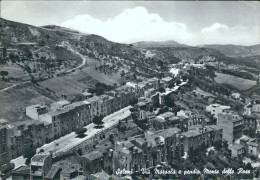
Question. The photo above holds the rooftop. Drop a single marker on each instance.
(93, 99)
(52, 172)
(236, 147)
(25, 170)
(93, 155)
(168, 132)
(61, 102)
(39, 157)
(166, 115)
(167, 79)
(191, 133)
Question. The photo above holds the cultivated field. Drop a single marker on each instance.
(239, 83)
(73, 83)
(14, 100)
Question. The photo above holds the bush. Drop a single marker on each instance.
(80, 131)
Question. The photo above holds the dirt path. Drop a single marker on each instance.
(14, 85)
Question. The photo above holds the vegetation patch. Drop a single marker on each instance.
(239, 83)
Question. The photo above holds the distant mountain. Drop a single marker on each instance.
(236, 50)
(154, 44)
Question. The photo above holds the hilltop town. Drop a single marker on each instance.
(76, 106)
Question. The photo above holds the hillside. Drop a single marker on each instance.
(153, 44)
(65, 61)
(236, 50)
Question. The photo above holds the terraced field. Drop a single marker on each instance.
(239, 83)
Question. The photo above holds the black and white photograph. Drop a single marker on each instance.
(129, 90)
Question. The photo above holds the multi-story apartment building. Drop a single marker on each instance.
(216, 109)
(232, 125)
(4, 140)
(127, 156)
(201, 135)
(96, 107)
(250, 125)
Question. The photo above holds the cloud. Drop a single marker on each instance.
(222, 34)
(137, 24)
(130, 26)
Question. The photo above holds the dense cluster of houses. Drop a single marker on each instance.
(169, 134)
(64, 117)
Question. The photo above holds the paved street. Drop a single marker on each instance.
(69, 141)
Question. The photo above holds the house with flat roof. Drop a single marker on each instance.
(34, 111)
(215, 109)
(40, 165)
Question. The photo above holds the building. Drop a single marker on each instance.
(92, 162)
(155, 82)
(168, 120)
(4, 142)
(2, 52)
(200, 136)
(69, 170)
(166, 82)
(157, 123)
(250, 125)
(256, 108)
(251, 145)
(232, 125)
(237, 151)
(127, 156)
(169, 135)
(34, 111)
(141, 109)
(21, 173)
(62, 121)
(166, 115)
(253, 148)
(16, 52)
(216, 109)
(40, 165)
(236, 96)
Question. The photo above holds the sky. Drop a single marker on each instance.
(187, 22)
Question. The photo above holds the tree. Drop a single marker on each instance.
(169, 102)
(178, 82)
(4, 73)
(29, 153)
(123, 73)
(80, 131)
(161, 90)
(98, 120)
(80, 152)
